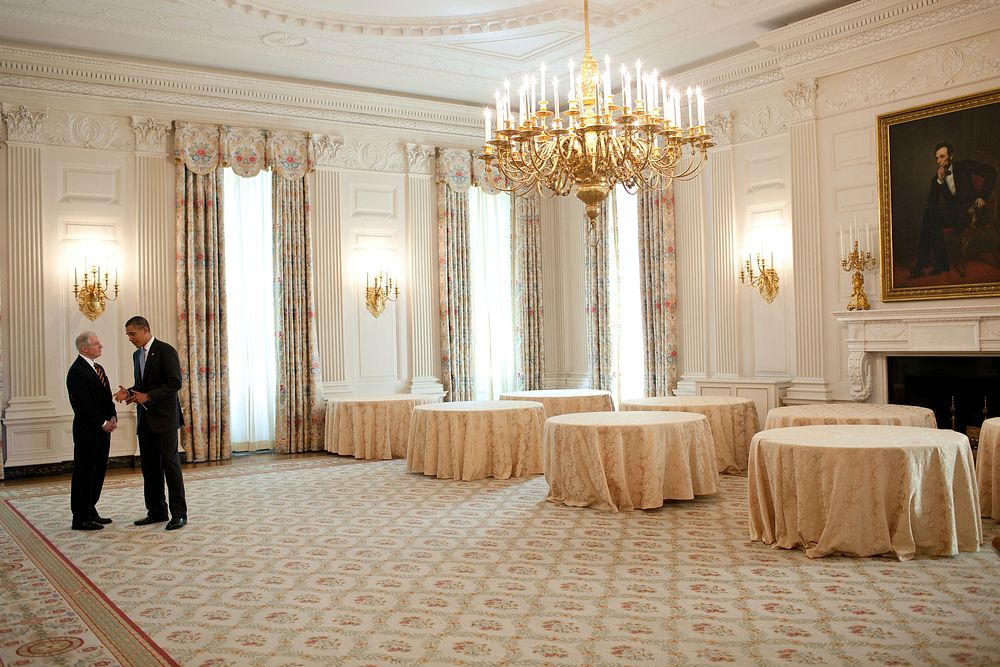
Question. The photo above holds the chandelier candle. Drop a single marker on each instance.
(601, 140)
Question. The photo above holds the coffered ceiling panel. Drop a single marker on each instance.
(430, 48)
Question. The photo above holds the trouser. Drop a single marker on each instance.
(161, 462)
(90, 462)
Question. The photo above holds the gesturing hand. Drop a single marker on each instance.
(137, 397)
(121, 394)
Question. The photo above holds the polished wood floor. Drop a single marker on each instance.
(238, 459)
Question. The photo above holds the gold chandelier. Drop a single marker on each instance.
(603, 140)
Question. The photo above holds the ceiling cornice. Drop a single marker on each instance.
(57, 73)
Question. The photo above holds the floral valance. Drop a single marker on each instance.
(203, 148)
(454, 168)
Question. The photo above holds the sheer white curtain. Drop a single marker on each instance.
(250, 312)
(492, 293)
(626, 305)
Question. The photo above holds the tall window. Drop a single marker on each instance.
(250, 310)
(492, 293)
(626, 304)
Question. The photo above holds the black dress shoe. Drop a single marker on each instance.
(177, 522)
(87, 525)
(102, 520)
(146, 520)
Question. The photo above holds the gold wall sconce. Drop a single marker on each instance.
(379, 293)
(858, 260)
(93, 294)
(765, 279)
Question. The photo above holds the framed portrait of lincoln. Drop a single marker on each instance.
(938, 169)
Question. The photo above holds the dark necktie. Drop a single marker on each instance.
(101, 375)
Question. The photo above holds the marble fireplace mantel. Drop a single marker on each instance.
(872, 335)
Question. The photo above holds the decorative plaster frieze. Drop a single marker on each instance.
(25, 125)
(333, 151)
(151, 134)
(859, 375)
(802, 101)
(68, 128)
(720, 126)
(764, 121)
(932, 70)
(420, 159)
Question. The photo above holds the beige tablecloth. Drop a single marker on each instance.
(850, 413)
(628, 460)
(564, 401)
(734, 422)
(864, 490)
(373, 427)
(475, 439)
(988, 468)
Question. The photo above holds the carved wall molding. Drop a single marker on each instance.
(68, 128)
(151, 134)
(764, 121)
(859, 375)
(420, 159)
(720, 126)
(24, 124)
(932, 70)
(348, 153)
(34, 72)
(802, 100)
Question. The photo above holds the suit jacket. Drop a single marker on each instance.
(91, 401)
(161, 381)
(972, 180)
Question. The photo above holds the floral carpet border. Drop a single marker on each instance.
(122, 637)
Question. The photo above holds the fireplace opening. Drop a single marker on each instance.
(957, 389)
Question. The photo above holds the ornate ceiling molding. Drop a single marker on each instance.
(331, 151)
(32, 71)
(96, 131)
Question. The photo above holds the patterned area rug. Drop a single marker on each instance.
(331, 561)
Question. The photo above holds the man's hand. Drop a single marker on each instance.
(121, 394)
(137, 397)
(940, 174)
(980, 202)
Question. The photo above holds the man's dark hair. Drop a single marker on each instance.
(138, 321)
(945, 144)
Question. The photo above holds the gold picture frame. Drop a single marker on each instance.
(940, 239)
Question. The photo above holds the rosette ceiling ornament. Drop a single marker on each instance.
(638, 136)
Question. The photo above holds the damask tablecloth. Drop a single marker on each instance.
(564, 401)
(476, 439)
(733, 420)
(864, 490)
(988, 468)
(850, 413)
(373, 427)
(628, 460)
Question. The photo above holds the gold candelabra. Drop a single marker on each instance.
(765, 279)
(93, 295)
(377, 294)
(858, 260)
(601, 140)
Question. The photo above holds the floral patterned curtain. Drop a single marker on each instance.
(527, 253)
(597, 298)
(299, 420)
(201, 314)
(454, 176)
(658, 273)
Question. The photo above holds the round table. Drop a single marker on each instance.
(850, 413)
(628, 460)
(470, 440)
(373, 427)
(864, 490)
(988, 468)
(564, 401)
(734, 422)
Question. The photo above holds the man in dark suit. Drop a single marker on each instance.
(94, 418)
(957, 190)
(158, 416)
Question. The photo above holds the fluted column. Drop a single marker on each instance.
(422, 240)
(727, 364)
(809, 384)
(691, 299)
(156, 240)
(25, 275)
(329, 290)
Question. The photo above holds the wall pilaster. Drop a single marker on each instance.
(723, 250)
(691, 278)
(330, 290)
